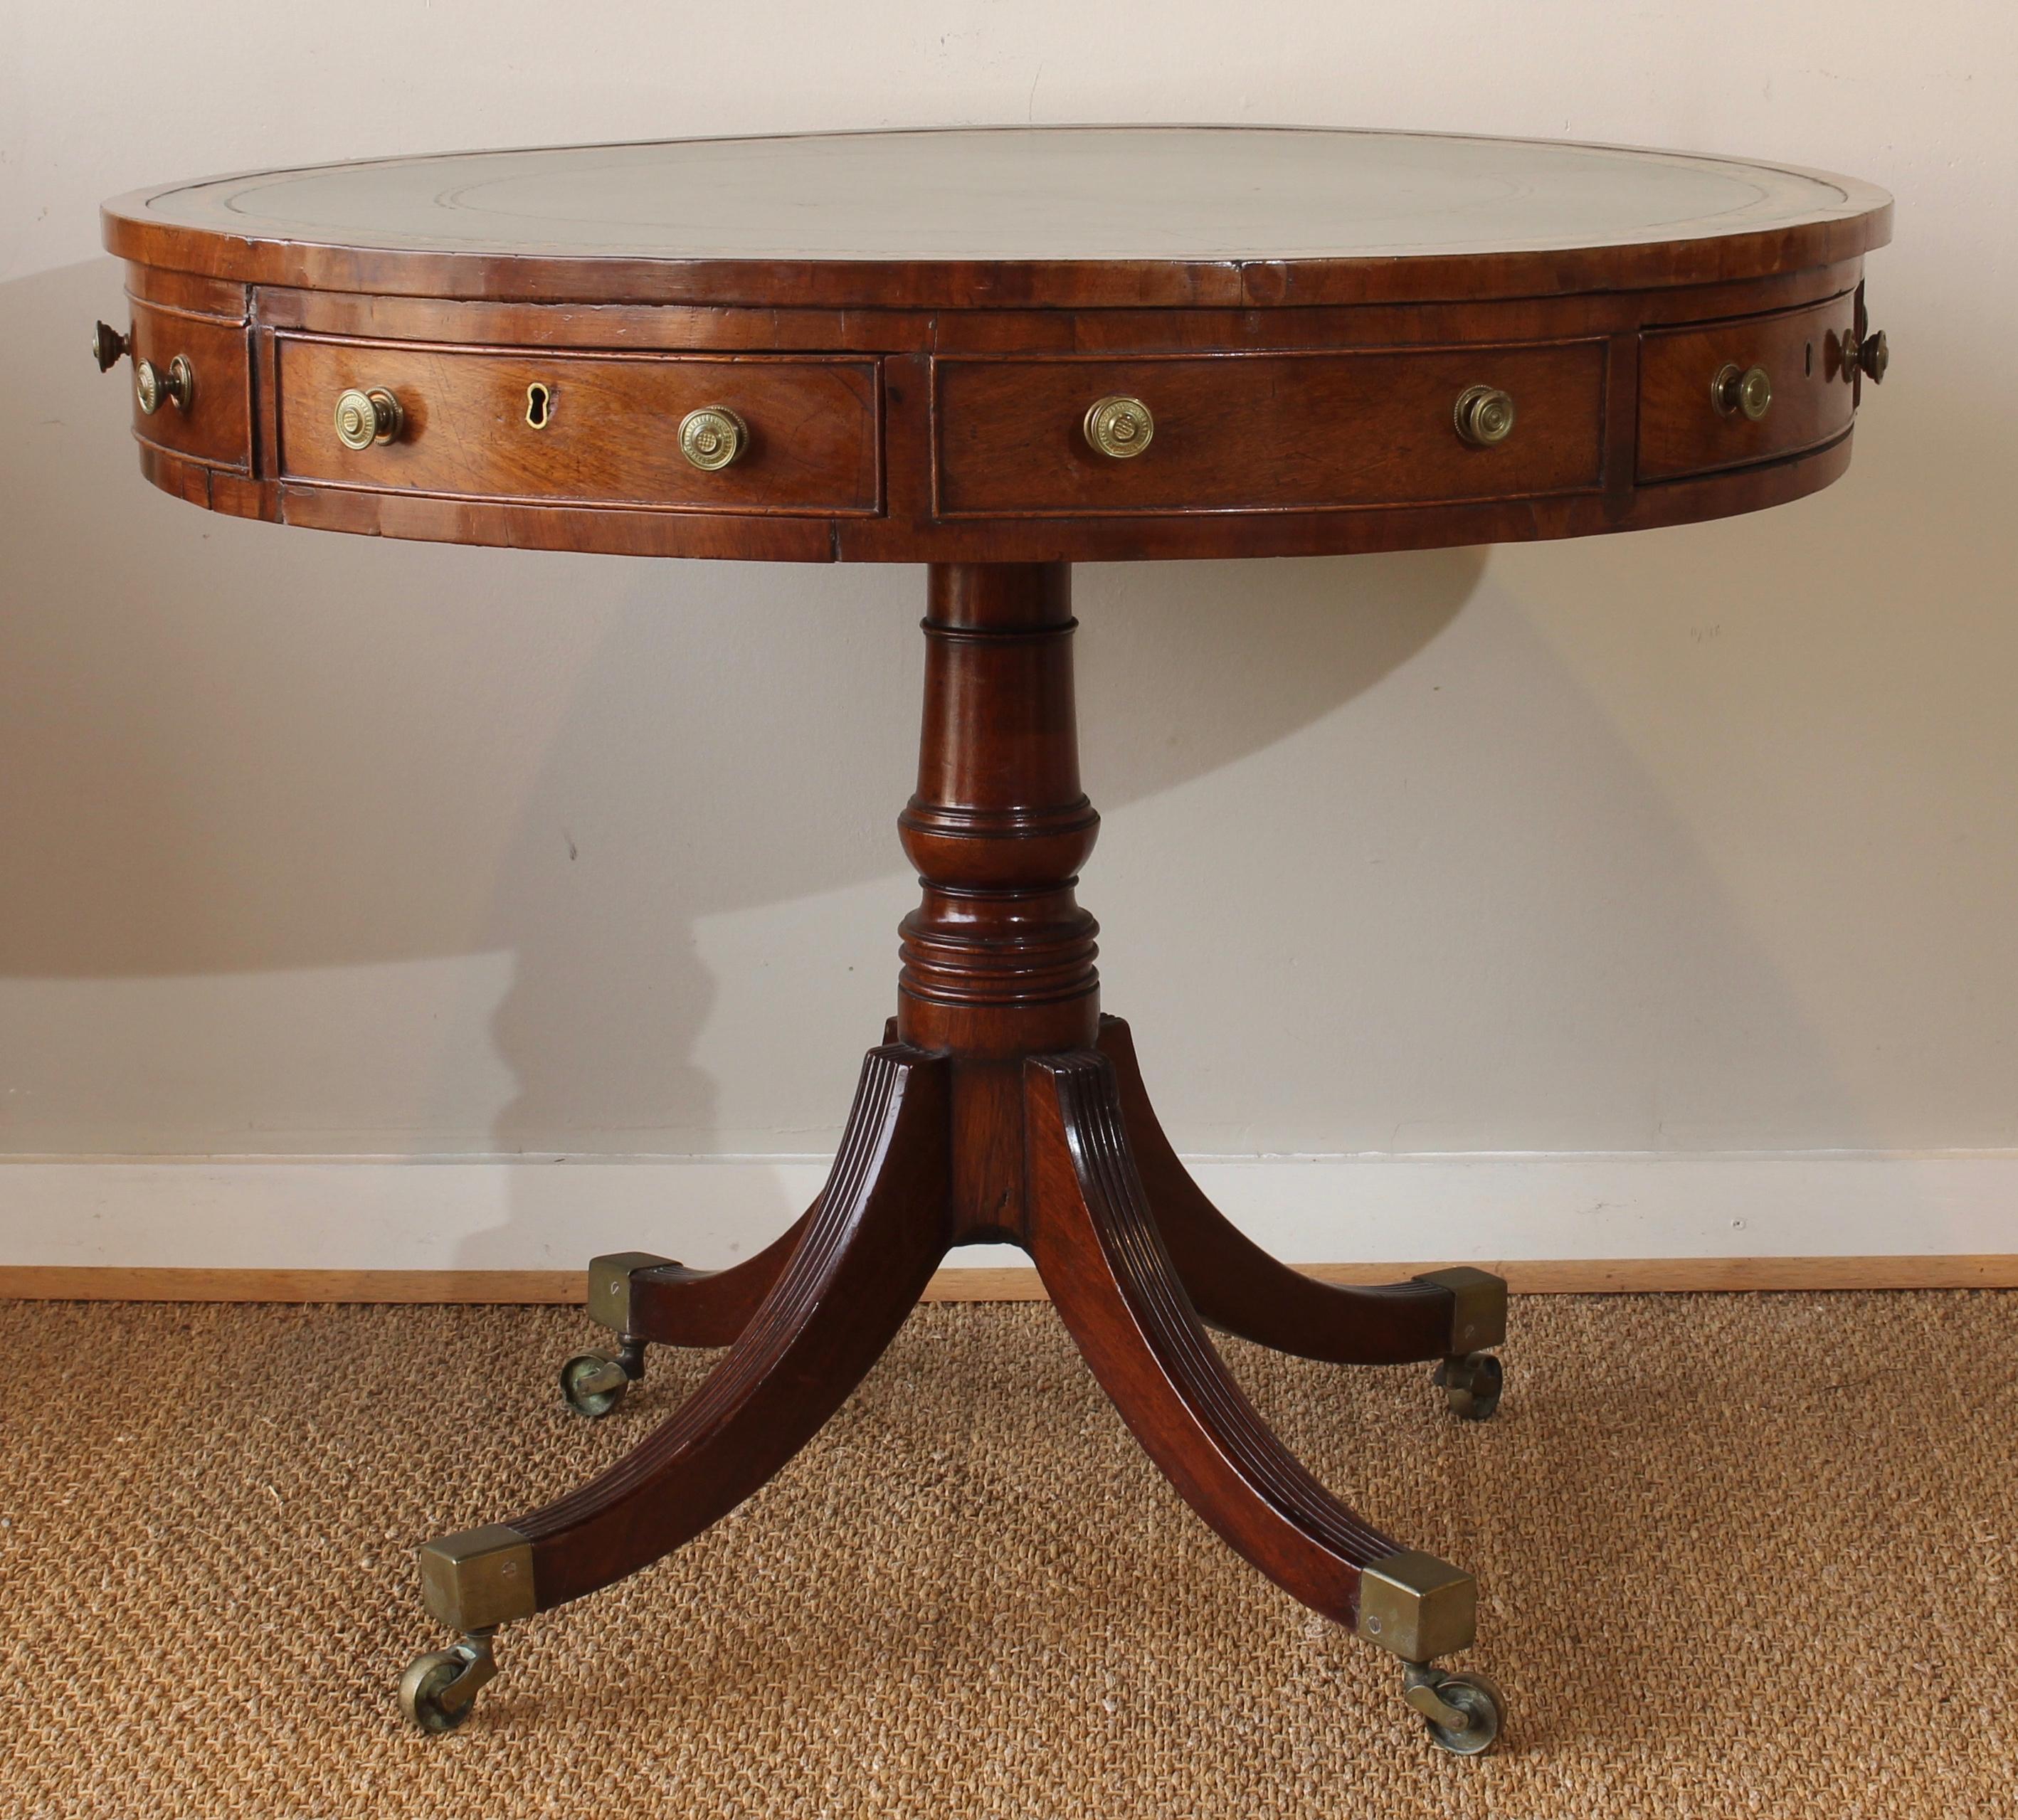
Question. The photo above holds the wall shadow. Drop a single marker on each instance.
(282, 793)
(253, 749)
(236, 752)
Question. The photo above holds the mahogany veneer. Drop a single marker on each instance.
(1801, 350)
(909, 331)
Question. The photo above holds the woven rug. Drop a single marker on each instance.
(1738, 1556)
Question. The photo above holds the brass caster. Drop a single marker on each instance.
(1471, 1384)
(593, 1383)
(1463, 1712)
(439, 1691)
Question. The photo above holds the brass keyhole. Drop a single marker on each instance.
(539, 405)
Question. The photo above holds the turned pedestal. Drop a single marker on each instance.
(1002, 1107)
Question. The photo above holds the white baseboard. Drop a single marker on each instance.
(264, 1214)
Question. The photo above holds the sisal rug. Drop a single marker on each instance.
(1738, 1556)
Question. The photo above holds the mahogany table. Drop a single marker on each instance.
(1000, 353)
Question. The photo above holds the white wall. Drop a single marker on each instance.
(1691, 841)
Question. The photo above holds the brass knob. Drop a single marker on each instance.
(1483, 415)
(712, 436)
(1119, 427)
(107, 344)
(1749, 391)
(1869, 354)
(151, 385)
(366, 418)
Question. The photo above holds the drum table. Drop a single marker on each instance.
(999, 353)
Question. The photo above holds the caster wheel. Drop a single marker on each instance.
(1471, 1385)
(592, 1384)
(431, 1677)
(1463, 1713)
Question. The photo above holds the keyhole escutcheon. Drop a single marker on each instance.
(539, 405)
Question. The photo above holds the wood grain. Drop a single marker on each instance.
(846, 466)
(1681, 430)
(216, 429)
(610, 435)
(1264, 433)
(870, 1246)
(1303, 401)
(1098, 1248)
(672, 1305)
(1238, 1287)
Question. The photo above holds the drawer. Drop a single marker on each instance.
(216, 424)
(1264, 433)
(598, 429)
(1685, 429)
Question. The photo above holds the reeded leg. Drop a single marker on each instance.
(667, 1304)
(647, 1300)
(1097, 1246)
(872, 1241)
(1239, 1288)
(991, 1112)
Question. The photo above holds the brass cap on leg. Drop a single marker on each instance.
(480, 1578)
(1417, 1606)
(1479, 1320)
(609, 1286)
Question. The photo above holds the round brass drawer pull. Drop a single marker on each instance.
(1870, 355)
(1483, 415)
(1119, 427)
(177, 386)
(366, 418)
(107, 344)
(1750, 391)
(712, 436)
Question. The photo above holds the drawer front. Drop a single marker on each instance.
(1265, 432)
(605, 429)
(216, 426)
(1683, 429)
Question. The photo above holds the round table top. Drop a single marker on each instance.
(1053, 214)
